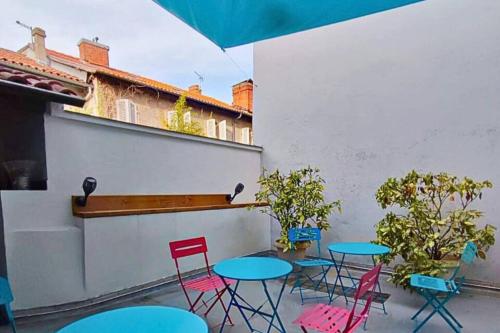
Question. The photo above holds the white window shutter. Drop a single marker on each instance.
(132, 113)
(222, 130)
(187, 118)
(170, 118)
(137, 117)
(121, 110)
(126, 110)
(245, 135)
(211, 130)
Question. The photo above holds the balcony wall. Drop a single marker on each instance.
(55, 258)
(412, 88)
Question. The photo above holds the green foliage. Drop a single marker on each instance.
(295, 200)
(178, 123)
(436, 223)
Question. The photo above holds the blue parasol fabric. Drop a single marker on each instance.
(230, 23)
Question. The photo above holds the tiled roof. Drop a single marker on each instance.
(29, 79)
(19, 59)
(164, 87)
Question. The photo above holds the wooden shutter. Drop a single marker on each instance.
(121, 110)
(222, 130)
(245, 135)
(187, 118)
(170, 118)
(211, 130)
(132, 111)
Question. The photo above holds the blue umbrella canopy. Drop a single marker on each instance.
(230, 23)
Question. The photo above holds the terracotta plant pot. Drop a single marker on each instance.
(291, 255)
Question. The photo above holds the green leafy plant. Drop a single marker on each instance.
(432, 224)
(178, 122)
(295, 200)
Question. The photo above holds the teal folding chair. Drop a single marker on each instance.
(5, 299)
(431, 287)
(306, 265)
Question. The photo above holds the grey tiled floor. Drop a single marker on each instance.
(478, 313)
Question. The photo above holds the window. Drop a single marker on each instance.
(126, 111)
(187, 118)
(222, 130)
(211, 130)
(170, 116)
(245, 135)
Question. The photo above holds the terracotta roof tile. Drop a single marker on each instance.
(19, 59)
(28, 79)
(164, 87)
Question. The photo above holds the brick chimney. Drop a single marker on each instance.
(38, 36)
(94, 52)
(195, 89)
(243, 95)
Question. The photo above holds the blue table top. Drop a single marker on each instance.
(253, 268)
(362, 249)
(139, 319)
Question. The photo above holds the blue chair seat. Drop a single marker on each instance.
(433, 283)
(313, 262)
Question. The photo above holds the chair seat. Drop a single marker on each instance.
(433, 283)
(207, 283)
(313, 262)
(325, 318)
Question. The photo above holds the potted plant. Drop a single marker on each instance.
(432, 224)
(295, 200)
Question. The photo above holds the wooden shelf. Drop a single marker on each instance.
(123, 205)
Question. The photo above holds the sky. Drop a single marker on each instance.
(144, 39)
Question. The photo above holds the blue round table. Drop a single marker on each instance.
(140, 319)
(260, 269)
(358, 249)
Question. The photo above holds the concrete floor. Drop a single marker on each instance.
(476, 312)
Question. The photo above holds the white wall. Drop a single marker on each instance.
(52, 259)
(416, 87)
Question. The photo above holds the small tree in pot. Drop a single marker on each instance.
(434, 225)
(295, 200)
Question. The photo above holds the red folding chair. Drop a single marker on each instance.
(330, 319)
(203, 284)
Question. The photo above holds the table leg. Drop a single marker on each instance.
(275, 307)
(233, 293)
(378, 284)
(338, 268)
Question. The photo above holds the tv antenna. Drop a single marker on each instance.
(26, 27)
(200, 77)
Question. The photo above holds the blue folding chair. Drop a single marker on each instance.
(5, 300)
(431, 287)
(303, 235)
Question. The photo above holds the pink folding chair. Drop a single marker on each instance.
(206, 283)
(330, 319)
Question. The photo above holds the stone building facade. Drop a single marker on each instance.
(128, 97)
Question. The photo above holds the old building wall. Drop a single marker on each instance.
(152, 107)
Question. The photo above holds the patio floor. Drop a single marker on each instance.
(475, 311)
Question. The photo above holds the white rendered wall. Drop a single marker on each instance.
(364, 100)
(51, 260)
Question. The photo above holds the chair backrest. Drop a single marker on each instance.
(5, 292)
(367, 283)
(468, 256)
(304, 235)
(469, 253)
(188, 247)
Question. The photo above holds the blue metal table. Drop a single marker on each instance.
(254, 269)
(358, 249)
(140, 319)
